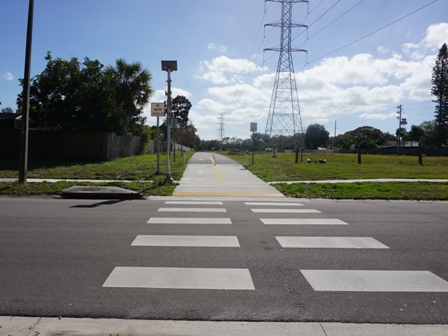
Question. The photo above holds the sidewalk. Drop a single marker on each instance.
(36, 326)
(209, 174)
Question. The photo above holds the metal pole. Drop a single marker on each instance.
(253, 147)
(168, 121)
(399, 129)
(158, 147)
(23, 168)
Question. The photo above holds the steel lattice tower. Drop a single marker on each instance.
(221, 130)
(284, 112)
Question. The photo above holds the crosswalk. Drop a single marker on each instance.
(276, 215)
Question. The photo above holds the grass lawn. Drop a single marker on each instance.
(367, 190)
(342, 167)
(345, 167)
(141, 170)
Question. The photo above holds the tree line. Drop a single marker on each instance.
(72, 96)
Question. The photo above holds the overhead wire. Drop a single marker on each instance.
(252, 48)
(339, 17)
(309, 37)
(311, 24)
(317, 6)
(374, 32)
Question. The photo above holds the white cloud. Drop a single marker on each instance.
(383, 50)
(224, 70)
(211, 105)
(436, 35)
(378, 116)
(8, 76)
(180, 92)
(239, 93)
(220, 49)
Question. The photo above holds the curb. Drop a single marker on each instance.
(93, 192)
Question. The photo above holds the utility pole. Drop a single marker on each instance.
(284, 112)
(23, 166)
(399, 127)
(335, 140)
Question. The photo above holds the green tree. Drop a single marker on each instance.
(189, 135)
(316, 135)
(366, 137)
(71, 96)
(415, 134)
(440, 90)
(344, 141)
(369, 137)
(133, 90)
(429, 136)
(6, 110)
(180, 108)
(401, 133)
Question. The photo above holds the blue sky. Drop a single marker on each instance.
(221, 65)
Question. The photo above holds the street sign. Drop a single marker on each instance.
(253, 127)
(157, 109)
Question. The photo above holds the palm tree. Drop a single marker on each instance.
(133, 89)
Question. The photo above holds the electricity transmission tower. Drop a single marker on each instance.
(284, 112)
(221, 131)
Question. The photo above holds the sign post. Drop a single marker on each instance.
(168, 66)
(158, 110)
(253, 129)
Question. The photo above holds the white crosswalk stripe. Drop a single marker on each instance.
(290, 211)
(175, 220)
(273, 204)
(331, 242)
(194, 202)
(180, 278)
(191, 241)
(374, 281)
(302, 221)
(192, 210)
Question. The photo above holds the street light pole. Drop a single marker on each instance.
(23, 167)
(168, 66)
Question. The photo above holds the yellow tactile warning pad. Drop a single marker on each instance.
(225, 194)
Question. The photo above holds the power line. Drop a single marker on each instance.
(320, 17)
(374, 32)
(317, 6)
(339, 17)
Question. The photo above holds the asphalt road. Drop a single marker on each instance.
(56, 255)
